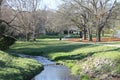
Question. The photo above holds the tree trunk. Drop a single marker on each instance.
(84, 34)
(90, 34)
(34, 36)
(68, 33)
(103, 33)
(0, 8)
(98, 35)
(81, 34)
(113, 35)
(27, 36)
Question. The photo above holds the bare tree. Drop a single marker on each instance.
(27, 19)
(7, 15)
(100, 11)
(95, 14)
(79, 17)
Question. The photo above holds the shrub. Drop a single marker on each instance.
(6, 42)
(2, 28)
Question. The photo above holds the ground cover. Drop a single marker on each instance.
(16, 68)
(97, 61)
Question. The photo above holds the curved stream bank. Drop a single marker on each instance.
(51, 70)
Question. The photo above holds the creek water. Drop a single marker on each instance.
(51, 70)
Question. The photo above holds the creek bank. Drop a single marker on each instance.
(99, 68)
(52, 71)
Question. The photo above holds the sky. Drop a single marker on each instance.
(51, 4)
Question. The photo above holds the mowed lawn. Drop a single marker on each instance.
(76, 56)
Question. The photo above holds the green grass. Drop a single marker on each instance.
(16, 68)
(57, 36)
(72, 55)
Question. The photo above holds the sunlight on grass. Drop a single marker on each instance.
(16, 68)
(54, 49)
(71, 54)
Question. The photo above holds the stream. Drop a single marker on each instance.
(51, 70)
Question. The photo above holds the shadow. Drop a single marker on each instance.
(2, 64)
(82, 55)
(11, 76)
(38, 43)
(50, 49)
(117, 50)
(73, 57)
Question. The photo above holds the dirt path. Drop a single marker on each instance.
(112, 45)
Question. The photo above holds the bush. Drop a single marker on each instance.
(2, 28)
(6, 42)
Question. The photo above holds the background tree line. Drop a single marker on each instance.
(26, 18)
(91, 16)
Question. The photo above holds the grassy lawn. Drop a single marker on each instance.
(78, 57)
(57, 36)
(16, 68)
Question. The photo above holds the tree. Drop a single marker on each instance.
(79, 17)
(27, 19)
(100, 12)
(5, 40)
(95, 14)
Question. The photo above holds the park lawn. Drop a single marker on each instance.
(58, 36)
(16, 68)
(74, 55)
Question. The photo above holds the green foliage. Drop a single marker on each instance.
(85, 77)
(75, 69)
(16, 68)
(6, 41)
(2, 28)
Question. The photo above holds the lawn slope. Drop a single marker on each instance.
(16, 68)
(87, 60)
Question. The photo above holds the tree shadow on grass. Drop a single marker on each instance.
(82, 55)
(49, 49)
(45, 51)
(11, 76)
(2, 64)
(73, 57)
